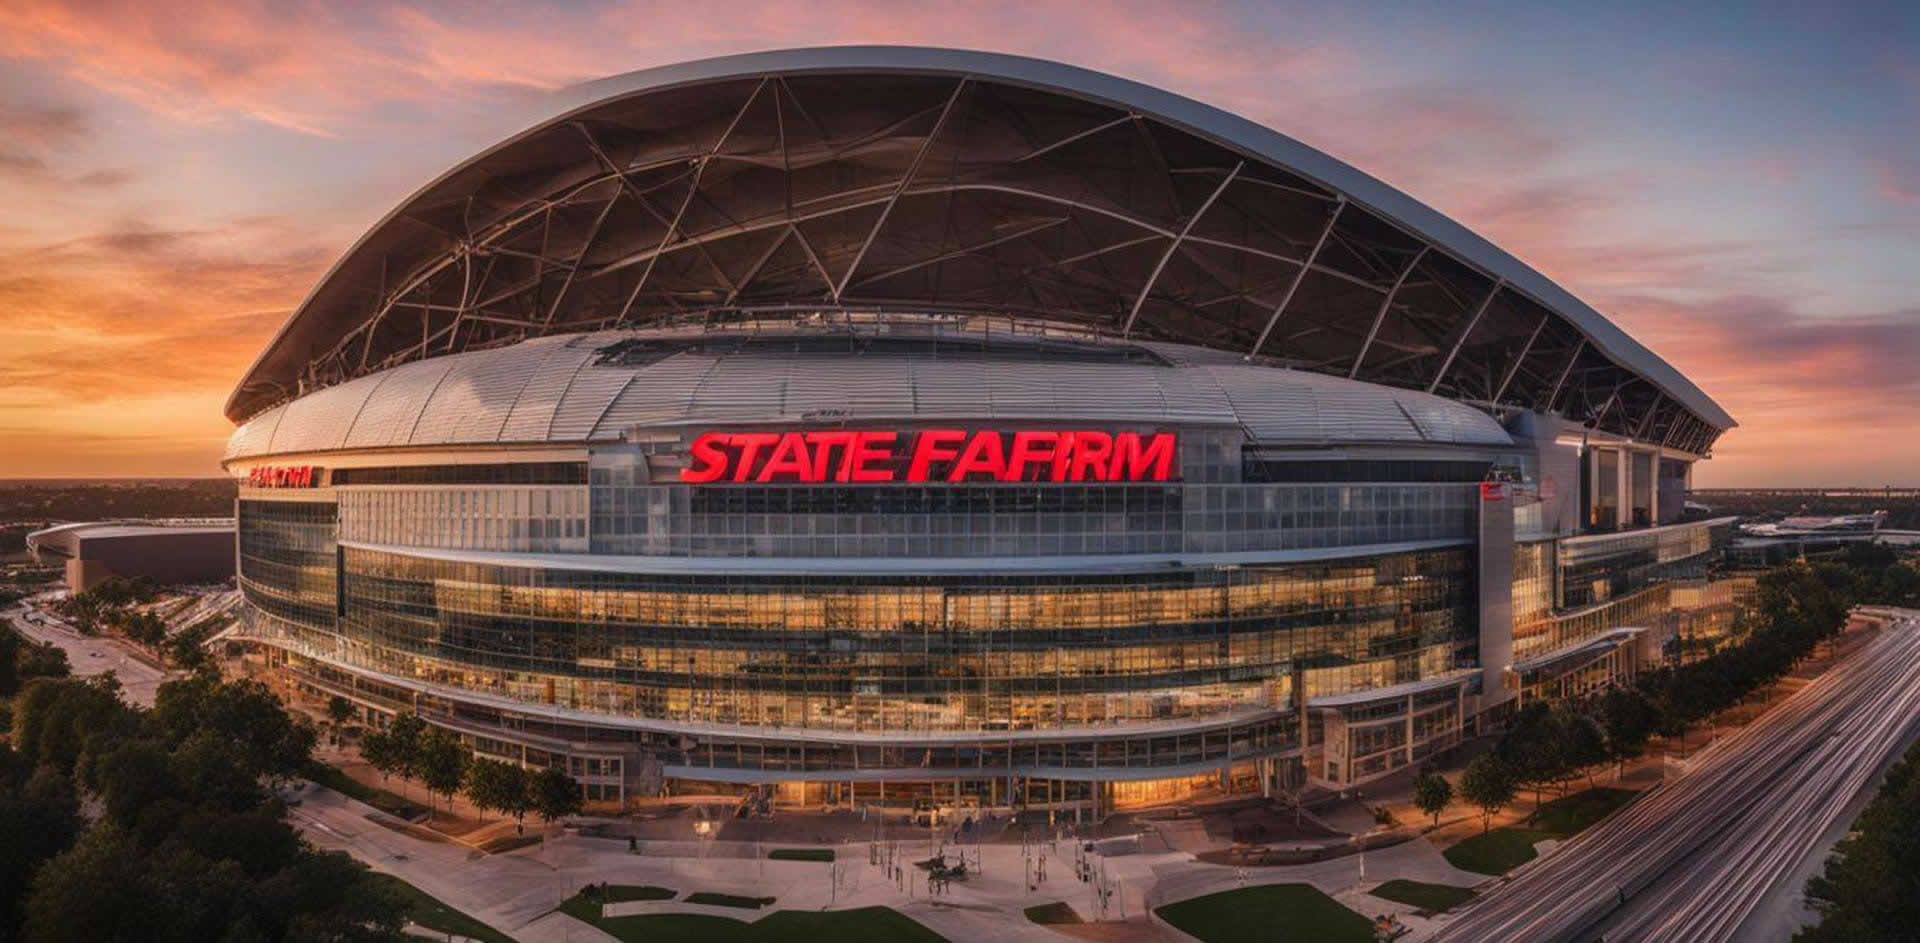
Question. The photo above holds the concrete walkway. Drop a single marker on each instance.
(517, 892)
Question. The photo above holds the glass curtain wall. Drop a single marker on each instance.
(912, 653)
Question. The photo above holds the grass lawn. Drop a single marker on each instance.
(506, 843)
(1496, 852)
(728, 900)
(1509, 846)
(584, 908)
(1269, 912)
(427, 911)
(1568, 815)
(1056, 912)
(864, 925)
(330, 776)
(801, 854)
(1432, 898)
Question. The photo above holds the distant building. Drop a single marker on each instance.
(893, 425)
(166, 552)
(1769, 543)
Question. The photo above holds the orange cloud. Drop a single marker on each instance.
(121, 345)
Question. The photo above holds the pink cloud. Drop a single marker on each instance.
(1898, 180)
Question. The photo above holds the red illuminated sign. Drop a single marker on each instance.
(1493, 491)
(849, 456)
(284, 476)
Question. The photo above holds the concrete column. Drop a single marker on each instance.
(1409, 747)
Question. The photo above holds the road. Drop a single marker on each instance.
(89, 655)
(1692, 859)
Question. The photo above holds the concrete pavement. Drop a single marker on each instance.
(516, 892)
(91, 655)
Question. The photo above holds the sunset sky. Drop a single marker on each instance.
(1736, 186)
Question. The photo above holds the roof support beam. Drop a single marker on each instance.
(693, 188)
(1646, 423)
(906, 180)
(826, 277)
(1020, 233)
(1554, 396)
(586, 246)
(1472, 323)
(1126, 330)
(1381, 315)
(759, 264)
(1525, 349)
(1069, 139)
(1298, 277)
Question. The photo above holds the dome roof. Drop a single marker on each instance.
(878, 179)
(593, 387)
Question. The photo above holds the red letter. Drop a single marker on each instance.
(823, 443)
(710, 461)
(750, 444)
(1027, 450)
(934, 445)
(869, 447)
(983, 454)
(1133, 463)
(1090, 452)
(788, 458)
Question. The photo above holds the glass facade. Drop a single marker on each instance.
(1594, 569)
(1604, 489)
(993, 767)
(288, 561)
(907, 653)
(496, 518)
(1015, 520)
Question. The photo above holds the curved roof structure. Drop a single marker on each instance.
(592, 387)
(875, 179)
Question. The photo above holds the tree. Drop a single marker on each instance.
(339, 710)
(1432, 793)
(1870, 886)
(267, 741)
(187, 846)
(376, 747)
(1488, 784)
(1627, 719)
(39, 818)
(188, 649)
(517, 791)
(555, 794)
(54, 719)
(1532, 751)
(443, 764)
(1582, 745)
(396, 750)
(492, 785)
(9, 661)
(41, 660)
(407, 732)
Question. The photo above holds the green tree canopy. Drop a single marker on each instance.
(1488, 784)
(443, 763)
(1432, 794)
(555, 794)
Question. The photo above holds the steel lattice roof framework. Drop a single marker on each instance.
(916, 180)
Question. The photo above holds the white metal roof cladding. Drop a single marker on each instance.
(891, 178)
(569, 389)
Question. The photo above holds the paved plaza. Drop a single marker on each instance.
(518, 891)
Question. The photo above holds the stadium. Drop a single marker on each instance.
(862, 425)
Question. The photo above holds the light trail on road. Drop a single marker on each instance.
(1690, 860)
